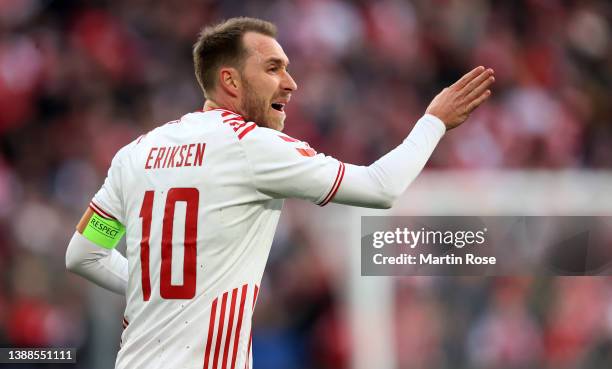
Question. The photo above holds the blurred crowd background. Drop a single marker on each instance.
(80, 79)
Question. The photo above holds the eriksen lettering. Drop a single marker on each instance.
(176, 156)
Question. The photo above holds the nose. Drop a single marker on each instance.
(289, 84)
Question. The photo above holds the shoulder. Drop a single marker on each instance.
(270, 140)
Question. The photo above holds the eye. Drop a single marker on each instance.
(273, 69)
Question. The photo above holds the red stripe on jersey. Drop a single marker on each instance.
(239, 324)
(229, 328)
(237, 126)
(255, 297)
(230, 117)
(306, 152)
(235, 123)
(220, 331)
(288, 139)
(246, 130)
(224, 113)
(334, 189)
(246, 364)
(211, 327)
(98, 210)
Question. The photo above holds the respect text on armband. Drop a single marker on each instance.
(106, 229)
(104, 232)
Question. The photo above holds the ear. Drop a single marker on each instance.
(229, 81)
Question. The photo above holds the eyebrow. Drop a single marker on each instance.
(278, 61)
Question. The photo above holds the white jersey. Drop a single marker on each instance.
(200, 198)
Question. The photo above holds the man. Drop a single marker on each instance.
(200, 197)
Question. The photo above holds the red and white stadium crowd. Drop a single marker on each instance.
(80, 79)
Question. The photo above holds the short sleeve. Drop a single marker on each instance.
(107, 202)
(284, 167)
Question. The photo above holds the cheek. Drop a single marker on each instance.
(263, 87)
(268, 86)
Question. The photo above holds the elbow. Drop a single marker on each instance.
(378, 200)
(71, 262)
(387, 192)
(81, 254)
(387, 204)
(389, 195)
(386, 200)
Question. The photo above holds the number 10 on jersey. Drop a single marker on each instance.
(167, 290)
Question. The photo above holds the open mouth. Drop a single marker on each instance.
(278, 106)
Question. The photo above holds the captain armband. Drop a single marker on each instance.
(104, 232)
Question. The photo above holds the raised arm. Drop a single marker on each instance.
(379, 184)
(283, 167)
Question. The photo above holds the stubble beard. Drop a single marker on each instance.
(255, 109)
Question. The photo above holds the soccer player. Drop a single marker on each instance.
(199, 198)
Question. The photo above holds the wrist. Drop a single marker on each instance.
(436, 122)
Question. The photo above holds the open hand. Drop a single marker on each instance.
(455, 103)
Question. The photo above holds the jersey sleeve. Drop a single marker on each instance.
(284, 167)
(381, 183)
(107, 202)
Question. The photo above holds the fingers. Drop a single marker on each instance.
(455, 103)
(477, 82)
(463, 81)
(479, 100)
(479, 89)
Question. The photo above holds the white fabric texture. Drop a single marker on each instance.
(106, 268)
(212, 186)
(380, 184)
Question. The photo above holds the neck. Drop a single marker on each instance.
(211, 104)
